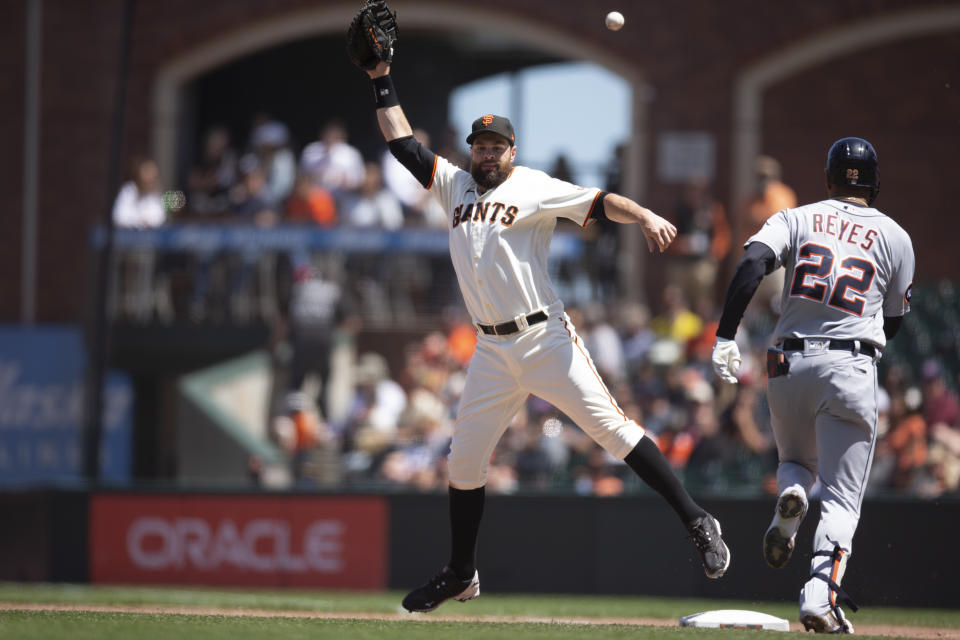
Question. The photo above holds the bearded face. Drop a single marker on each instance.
(491, 160)
(490, 174)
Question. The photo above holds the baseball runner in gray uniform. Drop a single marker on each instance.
(501, 219)
(849, 272)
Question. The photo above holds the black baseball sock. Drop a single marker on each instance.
(648, 462)
(466, 509)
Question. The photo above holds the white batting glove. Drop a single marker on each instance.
(726, 359)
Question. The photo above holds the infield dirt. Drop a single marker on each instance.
(923, 633)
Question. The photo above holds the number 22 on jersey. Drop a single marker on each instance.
(811, 278)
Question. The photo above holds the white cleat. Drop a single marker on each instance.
(825, 624)
(779, 541)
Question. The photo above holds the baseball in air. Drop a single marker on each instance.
(614, 20)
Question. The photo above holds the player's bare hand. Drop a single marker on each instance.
(658, 231)
(726, 359)
(382, 69)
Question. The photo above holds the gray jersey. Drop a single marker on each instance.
(846, 266)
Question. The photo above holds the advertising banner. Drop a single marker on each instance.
(242, 540)
(41, 410)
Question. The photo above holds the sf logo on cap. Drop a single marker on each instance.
(486, 120)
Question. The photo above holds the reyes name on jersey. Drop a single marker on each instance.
(846, 266)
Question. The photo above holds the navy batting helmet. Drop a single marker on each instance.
(853, 162)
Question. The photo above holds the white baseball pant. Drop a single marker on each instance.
(547, 360)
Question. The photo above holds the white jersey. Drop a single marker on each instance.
(500, 241)
(846, 266)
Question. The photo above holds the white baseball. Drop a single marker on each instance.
(614, 20)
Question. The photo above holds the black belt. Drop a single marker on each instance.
(506, 328)
(796, 344)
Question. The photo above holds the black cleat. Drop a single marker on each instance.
(714, 554)
(442, 587)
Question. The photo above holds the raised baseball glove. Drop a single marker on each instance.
(372, 35)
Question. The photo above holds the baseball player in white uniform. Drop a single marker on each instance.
(501, 219)
(849, 271)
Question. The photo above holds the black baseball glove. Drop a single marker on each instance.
(372, 35)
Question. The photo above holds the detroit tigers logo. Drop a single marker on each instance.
(486, 120)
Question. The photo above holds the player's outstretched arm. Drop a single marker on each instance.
(658, 231)
(758, 261)
(393, 122)
(418, 160)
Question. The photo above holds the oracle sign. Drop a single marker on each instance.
(258, 545)
(249, 540)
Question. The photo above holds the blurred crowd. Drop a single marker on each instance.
(267, 180)
(393, 431)
(369, 421)
(271, 178)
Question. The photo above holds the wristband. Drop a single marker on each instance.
(383, 92)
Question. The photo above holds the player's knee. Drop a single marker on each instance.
(466, 486)
(466, 477)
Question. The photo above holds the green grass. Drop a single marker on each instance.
(78, 625)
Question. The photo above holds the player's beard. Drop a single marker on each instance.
(487, 180)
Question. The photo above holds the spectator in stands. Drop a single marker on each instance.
(677, 322)
(561, 169)
(451, 147)
(335, 164)
(902, 451)
(770, 195)
(461, 335)
(373, 206)
(703, 241)
(311, 203)
(601, 340)
(139, 204)
(713, 453)
(940, 404)
(424, 429)
(745, 425)
(210, 180)
(250, 204)
(941, 411)
(250, 198)
(371, 423)
(421, 209)
(271, 142)
(636, 334)
(318, 306)
(602, 240)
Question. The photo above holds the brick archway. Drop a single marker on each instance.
(173, 77)
(750, 84)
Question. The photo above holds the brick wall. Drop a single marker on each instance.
(903, 96)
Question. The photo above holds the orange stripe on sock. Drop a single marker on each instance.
(833, 576)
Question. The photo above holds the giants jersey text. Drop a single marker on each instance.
(502, 279)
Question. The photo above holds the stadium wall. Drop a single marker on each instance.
(534, 544)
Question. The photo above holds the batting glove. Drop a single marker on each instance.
(726, 359)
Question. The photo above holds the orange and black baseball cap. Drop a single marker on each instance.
(493, 124)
